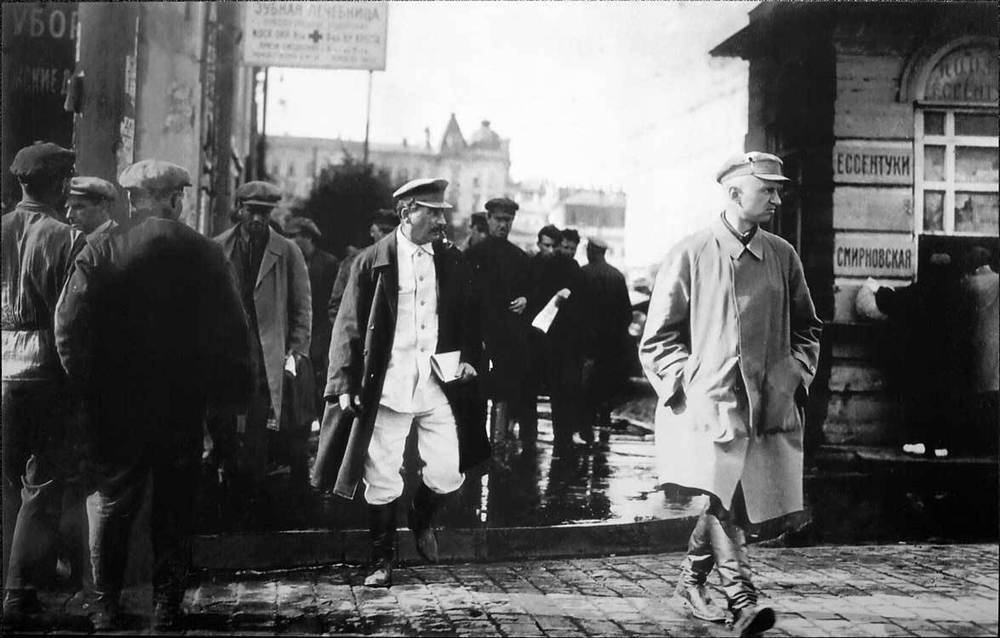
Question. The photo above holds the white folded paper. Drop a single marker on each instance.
(543, 320)
(290, 364)
(446, 365)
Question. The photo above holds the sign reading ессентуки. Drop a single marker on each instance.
(326, 35)
(872, 162)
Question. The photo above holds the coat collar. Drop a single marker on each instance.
(733, 246)
(272, 251)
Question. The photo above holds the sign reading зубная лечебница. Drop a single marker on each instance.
(328, 35)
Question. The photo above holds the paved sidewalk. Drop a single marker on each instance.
(894, 590)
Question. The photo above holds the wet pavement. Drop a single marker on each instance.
(838, 590)
(522, 486)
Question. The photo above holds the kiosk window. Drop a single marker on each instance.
(958, 179)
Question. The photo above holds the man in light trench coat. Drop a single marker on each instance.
(731, 346)
(273, 282)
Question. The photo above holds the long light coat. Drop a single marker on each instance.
(731, 346)
(283, 303)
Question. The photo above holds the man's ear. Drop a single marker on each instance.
(734, 193)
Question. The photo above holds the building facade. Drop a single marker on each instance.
(477, 168)
(886, 115)
(165, 80)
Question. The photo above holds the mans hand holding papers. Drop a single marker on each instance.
(449, 368)
(543, 320)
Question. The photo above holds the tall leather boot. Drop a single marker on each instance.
(425, 504)
(730, 545)
(382, 530)
(697, 565)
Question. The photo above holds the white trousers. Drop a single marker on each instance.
(437, 444)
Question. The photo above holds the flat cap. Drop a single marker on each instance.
(761, 165)
(302, 226)
(93, 187)
(598, 243)
(155, 175)
(42, 158)
(427, 192)
(502, 203)
(258, 193)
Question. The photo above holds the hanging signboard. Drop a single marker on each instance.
(873, 255)
(870, 162)
(322, 35)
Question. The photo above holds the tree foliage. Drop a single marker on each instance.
(342, 201)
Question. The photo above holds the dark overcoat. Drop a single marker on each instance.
(499, 276)
(151, 332)
(359, 357)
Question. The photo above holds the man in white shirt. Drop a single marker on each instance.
(408, 297)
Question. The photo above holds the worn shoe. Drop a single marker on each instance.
(104, 618)
(696, 601)
(426, 541)
(381, 576)
(166, 616)
(752, 620)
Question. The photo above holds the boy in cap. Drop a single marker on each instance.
(151, 333)
(273, 282)
(88, 206)
(479, 229)
(37, 253)
(500, 277)
(731, 346)
(322, 267)
(408, 298)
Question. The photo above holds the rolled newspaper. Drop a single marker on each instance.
(543, 320)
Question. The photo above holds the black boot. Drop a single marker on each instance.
(382, 529)
(421, 519)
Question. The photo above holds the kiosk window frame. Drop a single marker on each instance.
(938, 156)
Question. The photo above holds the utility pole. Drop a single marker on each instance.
(368, 117)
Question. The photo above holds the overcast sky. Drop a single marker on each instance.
(609, 94)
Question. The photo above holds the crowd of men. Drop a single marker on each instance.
(135, 353)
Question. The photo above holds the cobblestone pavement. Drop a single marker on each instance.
(893, 590)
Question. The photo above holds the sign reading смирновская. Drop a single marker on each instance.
(873, 255)
(871, 162)
(326, 35)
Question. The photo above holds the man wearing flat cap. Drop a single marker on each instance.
(273, 282)
(37, 255)
(152, 334)
(610, 313)
(322, 267)
(404, 355)
(88, 207)
(731, 345)
(500, 277)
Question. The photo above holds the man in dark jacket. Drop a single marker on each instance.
(566, 339)
(152, 334)
(409, 297)
(500, 278)
(322, 268)
(610, 313)
(37, 253)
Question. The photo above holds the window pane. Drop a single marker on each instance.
(933, 210)
(974, 164)
(976, 212)
(983, 124)
(933, 123)
(934, 163)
